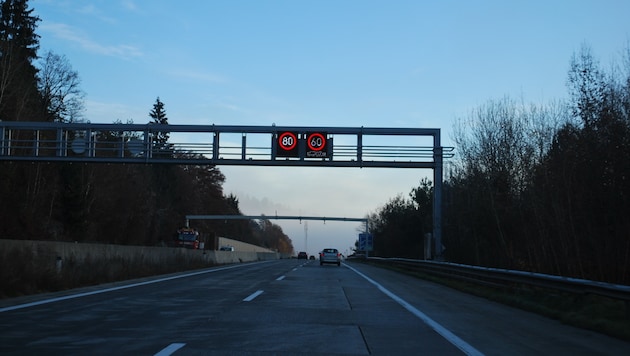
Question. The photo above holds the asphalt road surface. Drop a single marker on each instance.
(286, 307)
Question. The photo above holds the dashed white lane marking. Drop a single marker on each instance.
(444, 332)
(280, 278)
(170, 349)
(253, 295)
(79, 295)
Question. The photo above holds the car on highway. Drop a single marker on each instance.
(330, 255)
(302, 255)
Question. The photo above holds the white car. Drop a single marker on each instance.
(330, 255)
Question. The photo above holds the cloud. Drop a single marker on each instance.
(333, 192)
(321, 192)
(230, 107)
(88, 9)
(101, 112)
(68, 33)
(129, 5)
(197, 75)
(259, 206)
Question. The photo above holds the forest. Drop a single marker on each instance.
(534, 187)
(117, 204)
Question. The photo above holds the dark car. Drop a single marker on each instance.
(302, 256)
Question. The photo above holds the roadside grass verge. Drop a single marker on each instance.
(601, 314)
(28, 270)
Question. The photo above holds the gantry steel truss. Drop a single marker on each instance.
(360, 147)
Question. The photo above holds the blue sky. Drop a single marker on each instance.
(323, 63)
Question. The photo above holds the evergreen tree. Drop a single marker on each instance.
(160, 138)
(19, 97)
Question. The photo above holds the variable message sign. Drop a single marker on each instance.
(287, 144)
(317, 145)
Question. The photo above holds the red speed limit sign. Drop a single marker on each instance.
(316, 143)
(287, 141)
(287, 144)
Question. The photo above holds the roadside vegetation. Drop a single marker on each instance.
(535, 187)
(600, 314)
(32, 269)
(118, 204)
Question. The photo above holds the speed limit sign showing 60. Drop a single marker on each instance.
(316, 143)
(287, 144)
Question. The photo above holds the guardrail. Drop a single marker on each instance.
(503, 277)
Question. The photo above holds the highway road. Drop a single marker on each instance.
(285, 307)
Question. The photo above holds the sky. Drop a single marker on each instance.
(338, 63)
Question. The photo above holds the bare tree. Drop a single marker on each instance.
(59, 86)
(500, 145)
(587, 87)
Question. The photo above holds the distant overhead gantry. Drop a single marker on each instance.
(365, 238)
(274, 217)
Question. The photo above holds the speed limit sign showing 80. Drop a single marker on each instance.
(287, 144)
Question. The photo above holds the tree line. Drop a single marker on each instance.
(543, 188)
(120, 204)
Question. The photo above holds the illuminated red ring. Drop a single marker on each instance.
(283, 135)
(317, 134)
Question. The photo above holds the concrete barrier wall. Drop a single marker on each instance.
(81, 252)
(240, 246)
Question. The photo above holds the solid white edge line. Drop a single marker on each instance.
(444, 332)
(170, 349)
(73, 296)
(253, 295)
